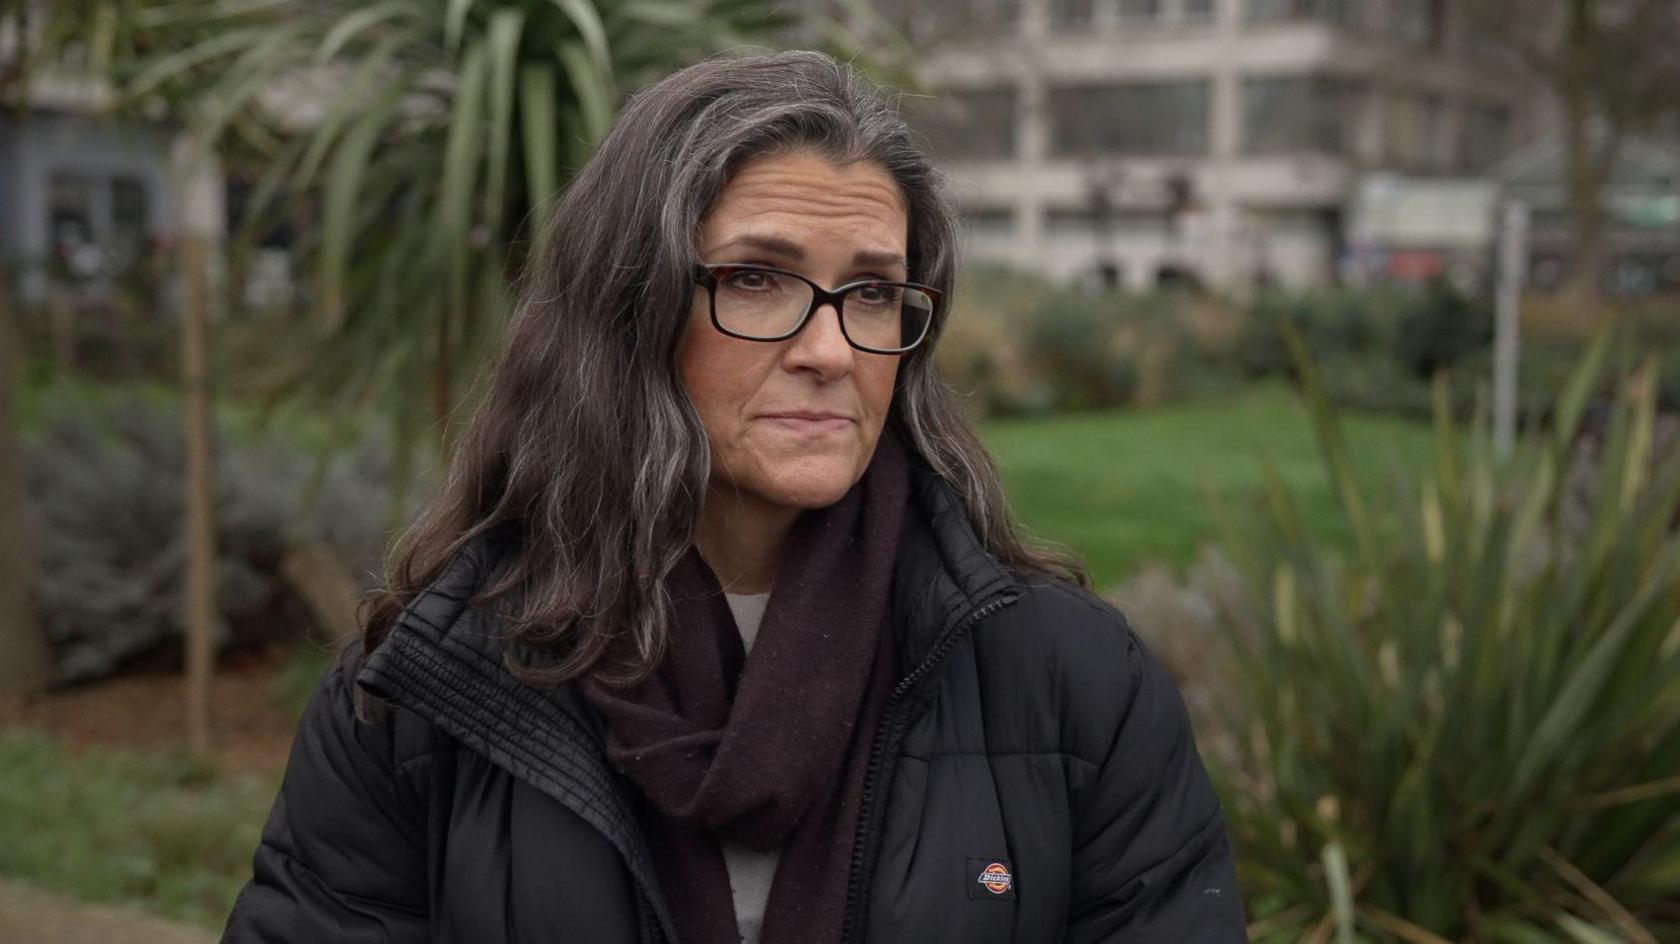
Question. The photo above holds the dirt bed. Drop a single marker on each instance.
(144, 711)
(32, 916)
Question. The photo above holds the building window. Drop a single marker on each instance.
(1141, 118)
(1418, 22)
(70, 212)
(976, 124)
(1300, 113)
(1486, 137)
(1435, 128)
(930, 21)
(1104, 12)
(1199, 11)
(1106, 222)
(1135, 9)
(98, 223)
(1122, 13)
(1349, 13)
(130, 220)
(1411, 129)
(988, 222)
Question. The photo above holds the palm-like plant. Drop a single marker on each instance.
(415, 147)
(93, 32)
(1471, 730)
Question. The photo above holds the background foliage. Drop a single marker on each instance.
(105, 493)
(1469, 729)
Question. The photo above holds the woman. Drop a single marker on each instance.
(715, 430)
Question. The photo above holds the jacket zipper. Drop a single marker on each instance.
(895, 719)
(650, 919)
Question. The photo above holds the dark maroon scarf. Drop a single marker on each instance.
(769, 751)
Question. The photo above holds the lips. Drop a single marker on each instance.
(807, 421)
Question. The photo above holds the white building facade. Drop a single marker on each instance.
(1139, 142)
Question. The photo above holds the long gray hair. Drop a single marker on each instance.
(585, 449)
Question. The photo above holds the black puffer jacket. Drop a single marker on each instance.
(1031, 738)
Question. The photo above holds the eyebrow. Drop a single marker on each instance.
(792, 250)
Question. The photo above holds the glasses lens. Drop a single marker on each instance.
(886, 316)
(758, 304)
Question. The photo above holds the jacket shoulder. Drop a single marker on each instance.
(1062, 652)
(1056, 623)
(343, 854)
(1077, 612)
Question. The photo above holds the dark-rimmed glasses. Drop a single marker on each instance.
(764, 303)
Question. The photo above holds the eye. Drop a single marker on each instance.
(879, 294)
(751, 280)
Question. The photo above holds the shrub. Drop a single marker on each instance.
(105, 481)
(979, 351)
(1020, 344)
(1378, 346)
(1469, 729)
(1439, 327)
(1105, 349)
(1328, 321)
(1071, 340)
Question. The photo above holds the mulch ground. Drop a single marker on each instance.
(145, 710)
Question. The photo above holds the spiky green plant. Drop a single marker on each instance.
(1470, 729)
(415, 146)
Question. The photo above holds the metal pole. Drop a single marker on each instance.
(1513, 266)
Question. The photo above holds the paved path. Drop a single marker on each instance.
(32, 916)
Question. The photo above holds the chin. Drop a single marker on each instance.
(809, 484)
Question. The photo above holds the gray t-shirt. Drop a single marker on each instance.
(750, 871)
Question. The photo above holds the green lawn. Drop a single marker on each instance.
(1126, 487)
(161, 831)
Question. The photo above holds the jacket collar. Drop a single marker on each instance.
(443, 660)
(943, 571)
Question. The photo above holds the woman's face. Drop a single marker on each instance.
(793, 423)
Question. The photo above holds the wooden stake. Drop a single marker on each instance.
(25, 658)
(200, 584)
(198, 194)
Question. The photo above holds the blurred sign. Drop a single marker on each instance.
(1415, 265)
(1418, 213)
(1646, 210)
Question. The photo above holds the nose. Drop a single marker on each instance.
(820, 346)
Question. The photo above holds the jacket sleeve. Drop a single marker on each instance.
(342, 856)
(1152, 862)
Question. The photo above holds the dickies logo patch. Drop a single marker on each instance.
(990, 878)
(996, 878)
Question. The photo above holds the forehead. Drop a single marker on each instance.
(801, 194)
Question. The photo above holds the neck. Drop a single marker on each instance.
(741, 539)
